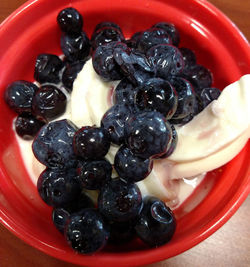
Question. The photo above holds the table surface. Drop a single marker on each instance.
(230, 245)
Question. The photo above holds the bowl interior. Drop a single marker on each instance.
(33, 30)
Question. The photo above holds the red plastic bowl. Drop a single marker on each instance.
(218, 44)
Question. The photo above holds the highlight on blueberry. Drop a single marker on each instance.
(130, 167)
(91, 142)
(53, 145)
(157, 94)
(119, 201)
(94, 174)
(49, 102)
(70, 21)
(86, 231)
(148, 134)
(27, 126)
(47, 68)
(19, 94)
(58, 187)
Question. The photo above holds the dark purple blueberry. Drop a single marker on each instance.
(157, 94)
(91, 143)
(207, 95)
(70, 21)
(124, 93)
(53, 144)
(75, 48)
(121, 232)
(131, 168)
(105, 24)
(18, 95)
(59, 217)
(86, 232)
(106, 35)
(119, 201)
(135, 66)
(94, 174)
(156, 225)
(152, 37)
(58, 187)
(199, 76)
(27, 126)
(114, 122)
(70, 73)
(104, 63)
(47, 68)
(148, 134)
(49, 102)
(186, 97)
(133, 41)
(172, 144)
(188, 57)
(167, 60)
(171, 30)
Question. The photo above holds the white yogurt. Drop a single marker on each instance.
(207, 142)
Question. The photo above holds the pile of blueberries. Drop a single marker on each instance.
(160, 85)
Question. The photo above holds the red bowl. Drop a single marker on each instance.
(218, 44)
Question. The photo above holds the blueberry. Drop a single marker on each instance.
(119, 201)
(152, 37)
(167, 60)
(27, 126)
(86, 232)
(186, 97)
(189, 57)
(53, 144)
(156, 225)
(172, 144)
(106, 35)
(124, 93)
(171, 29)
(199, 76)
(131, 168)
(70, 21)
(114, 122)
(207, 95)
(158, 95)
(47, 68)
(105, 24)
(58, 187)
(19, 94)
(59, 217)
(70, 73)
(49, 102)
(91, 142)
(148, 134)
(75, 47)
(134, 64)
(94, 174)
(104, 63)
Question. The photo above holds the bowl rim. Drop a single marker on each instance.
(157, 254)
